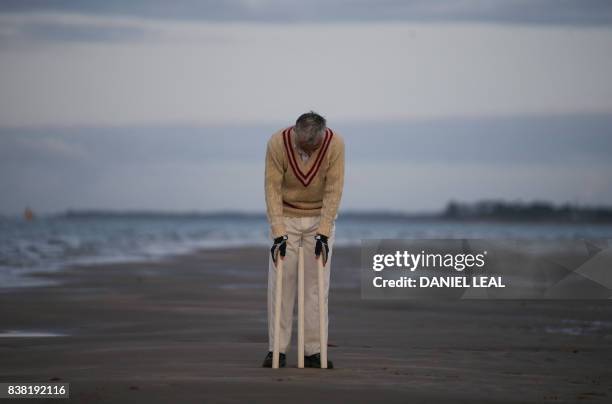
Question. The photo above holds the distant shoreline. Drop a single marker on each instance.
(497, 211)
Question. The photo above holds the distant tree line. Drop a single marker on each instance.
(526, 211)
(497, 210)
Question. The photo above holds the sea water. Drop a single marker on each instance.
(52, 242)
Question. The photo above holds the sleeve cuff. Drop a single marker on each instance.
(324, 227)
(278, 230)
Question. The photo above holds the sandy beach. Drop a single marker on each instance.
(192, 328)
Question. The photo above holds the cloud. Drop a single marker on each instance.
(252, 73)
(21, 28)
(427, 186)
(65, 32)
(568, 12)
(408, 166)
(571, 140)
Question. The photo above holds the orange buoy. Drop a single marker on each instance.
(28, 214)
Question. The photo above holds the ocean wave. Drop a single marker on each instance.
(52, 243)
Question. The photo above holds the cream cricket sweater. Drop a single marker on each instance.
(296, 188)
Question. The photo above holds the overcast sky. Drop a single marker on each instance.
(87, 87)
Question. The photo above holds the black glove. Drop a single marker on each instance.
(279, 246)
(321, 247)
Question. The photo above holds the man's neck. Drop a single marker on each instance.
(298, 148)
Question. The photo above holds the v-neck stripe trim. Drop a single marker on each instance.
(319, 154)
(307, 178)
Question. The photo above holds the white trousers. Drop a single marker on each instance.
(301, 231)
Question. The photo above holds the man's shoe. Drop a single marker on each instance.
(282, 360)
(314, 361)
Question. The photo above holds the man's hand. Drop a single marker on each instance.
(279, 246)
(321, 247)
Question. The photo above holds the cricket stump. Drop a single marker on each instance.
(277, 310)
(300, 350)
(322, 338)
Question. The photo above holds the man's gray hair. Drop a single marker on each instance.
(310, 126)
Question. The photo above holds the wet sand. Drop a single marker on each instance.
(193, 328)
